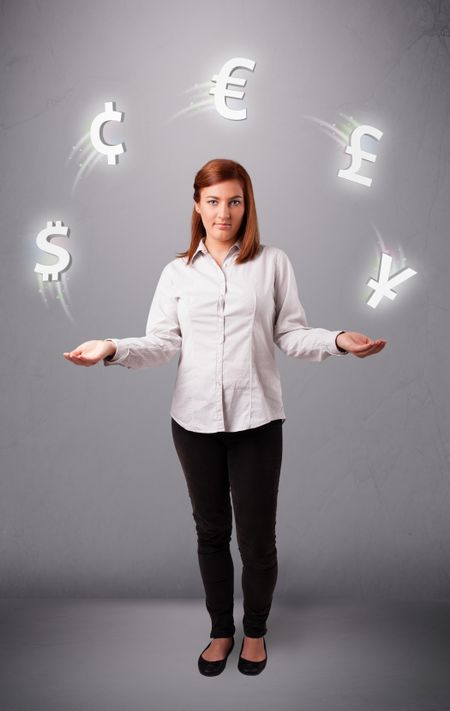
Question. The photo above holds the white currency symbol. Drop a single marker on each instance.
(383, 287)
(109, 114)
(52, 271)
(354, 149)
(221, 92)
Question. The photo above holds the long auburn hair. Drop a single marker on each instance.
(216, 171)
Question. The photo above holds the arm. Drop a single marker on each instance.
(292, 335)
(162, 338)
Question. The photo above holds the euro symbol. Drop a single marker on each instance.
(383, 287)
(354, 149)
(221, 92)
(109, 114)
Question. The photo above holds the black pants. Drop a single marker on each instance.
(248, 462)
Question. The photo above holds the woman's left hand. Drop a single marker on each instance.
(359, 344)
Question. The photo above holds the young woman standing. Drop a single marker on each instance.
(222, 305)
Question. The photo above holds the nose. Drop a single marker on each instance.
(224, 212)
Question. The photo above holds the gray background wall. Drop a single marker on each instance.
(93, 500)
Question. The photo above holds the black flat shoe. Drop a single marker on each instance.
(213, 668)
(246, 666)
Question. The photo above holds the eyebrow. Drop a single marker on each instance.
(216, 198)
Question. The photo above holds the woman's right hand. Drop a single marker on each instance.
(90, 352)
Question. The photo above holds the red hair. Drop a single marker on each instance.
(217, 171)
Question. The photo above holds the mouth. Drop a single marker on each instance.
(223, 224)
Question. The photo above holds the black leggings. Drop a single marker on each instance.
(248, 462)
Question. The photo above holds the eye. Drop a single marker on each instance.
(236, 201)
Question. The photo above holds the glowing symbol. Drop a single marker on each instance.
(221, 92)
(355, 150)
(52, 271)
(383, 287)
(109, 114)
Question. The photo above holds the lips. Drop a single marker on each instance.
(223, 224)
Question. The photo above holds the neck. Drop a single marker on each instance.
(216, 246)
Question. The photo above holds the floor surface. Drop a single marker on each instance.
(141, 655)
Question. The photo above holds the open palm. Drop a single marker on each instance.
(359, 344)
(89, 352)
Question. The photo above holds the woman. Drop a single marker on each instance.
(222, 305)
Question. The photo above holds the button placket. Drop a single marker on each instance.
(220, 347)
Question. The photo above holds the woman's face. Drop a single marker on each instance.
(221, 207)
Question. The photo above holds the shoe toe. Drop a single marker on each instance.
(246, 666)
(208, 668)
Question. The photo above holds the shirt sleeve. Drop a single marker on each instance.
(292, 334)
(162, 338)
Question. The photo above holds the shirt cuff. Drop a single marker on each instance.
(335, 350)
(120, 354)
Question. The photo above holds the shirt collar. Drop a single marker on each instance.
(202, 247)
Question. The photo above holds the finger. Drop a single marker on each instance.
(363, 351)
(78, 360)
(375, 344)
(379, 345)
(371, 351)
(378, 348)
(362, 347)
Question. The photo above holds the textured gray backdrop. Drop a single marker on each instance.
(93, 501)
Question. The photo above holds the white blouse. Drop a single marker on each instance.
(224, 323)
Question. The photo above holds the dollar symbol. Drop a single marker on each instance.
(221, 92)
(109, 114)
(52, 271)
(355, 150)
